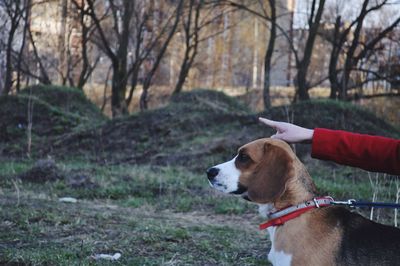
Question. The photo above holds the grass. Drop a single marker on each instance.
(70, 237)
(151, 215)
(67, 99)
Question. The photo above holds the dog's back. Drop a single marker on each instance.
(365, 242)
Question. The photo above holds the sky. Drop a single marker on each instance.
(348, 9)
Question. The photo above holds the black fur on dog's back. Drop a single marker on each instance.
(365, 242)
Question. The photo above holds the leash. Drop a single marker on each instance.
(365, 204)
(280, 217)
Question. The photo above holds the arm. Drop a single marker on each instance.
(372, 153)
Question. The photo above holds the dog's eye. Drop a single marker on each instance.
(243, 158)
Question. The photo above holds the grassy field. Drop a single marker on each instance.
(151, 215)
(140, 184)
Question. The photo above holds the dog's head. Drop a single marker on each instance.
(259, 172)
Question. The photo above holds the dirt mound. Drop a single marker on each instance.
(213, 99)
(67, 99)
(177, 133)
(79, 179)
(43, 171)
(55, 111)
(200, 128)
(47, 121)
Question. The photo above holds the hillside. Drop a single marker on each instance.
(196, 129)
(51, 111)
(200, 127)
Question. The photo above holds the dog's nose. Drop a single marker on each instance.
(212, 173)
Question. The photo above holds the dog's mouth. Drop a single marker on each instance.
(246, 197)
(217, 185)
(240, 190)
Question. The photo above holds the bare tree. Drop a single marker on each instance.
(43, 75)
(115, 49)
(268, 56)
(347, 42)
(123, 33)
(191, 30)
(28, 4)
(160, 53)
(14, 11)
(86, 29)
(270, 16)
(303, 64)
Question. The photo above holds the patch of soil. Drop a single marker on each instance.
(43, 171)
(80, 180)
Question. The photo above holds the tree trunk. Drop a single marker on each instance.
(14, 16)
(120, 74)
(349, 62)
(85, 72)
(9, 67)
(333, 73)
(302, 85)
(118, 89)
(43, 77)
(134, 82)
(268, 57)
(27, 7)
(62, 64)
(314, 21)
(149, 76)
(255, 54)
(191, 44)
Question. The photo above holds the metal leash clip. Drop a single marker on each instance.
(349, 202)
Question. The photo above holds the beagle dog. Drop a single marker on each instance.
(304, 229)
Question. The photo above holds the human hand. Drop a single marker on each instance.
(289, 132)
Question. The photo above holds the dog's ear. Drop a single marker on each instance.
(271, 175)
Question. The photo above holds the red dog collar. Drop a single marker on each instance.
(282, 216)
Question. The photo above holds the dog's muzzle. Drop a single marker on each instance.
(212, 173)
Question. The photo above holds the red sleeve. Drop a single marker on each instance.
(372, 153)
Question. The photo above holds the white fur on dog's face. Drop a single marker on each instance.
(227, 180)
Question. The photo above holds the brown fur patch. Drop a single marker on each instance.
(266, 174)
(309, 239)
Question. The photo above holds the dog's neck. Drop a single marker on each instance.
(299, 188)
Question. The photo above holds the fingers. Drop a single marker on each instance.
(268, 122)
(274, 124)
(271, 123)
